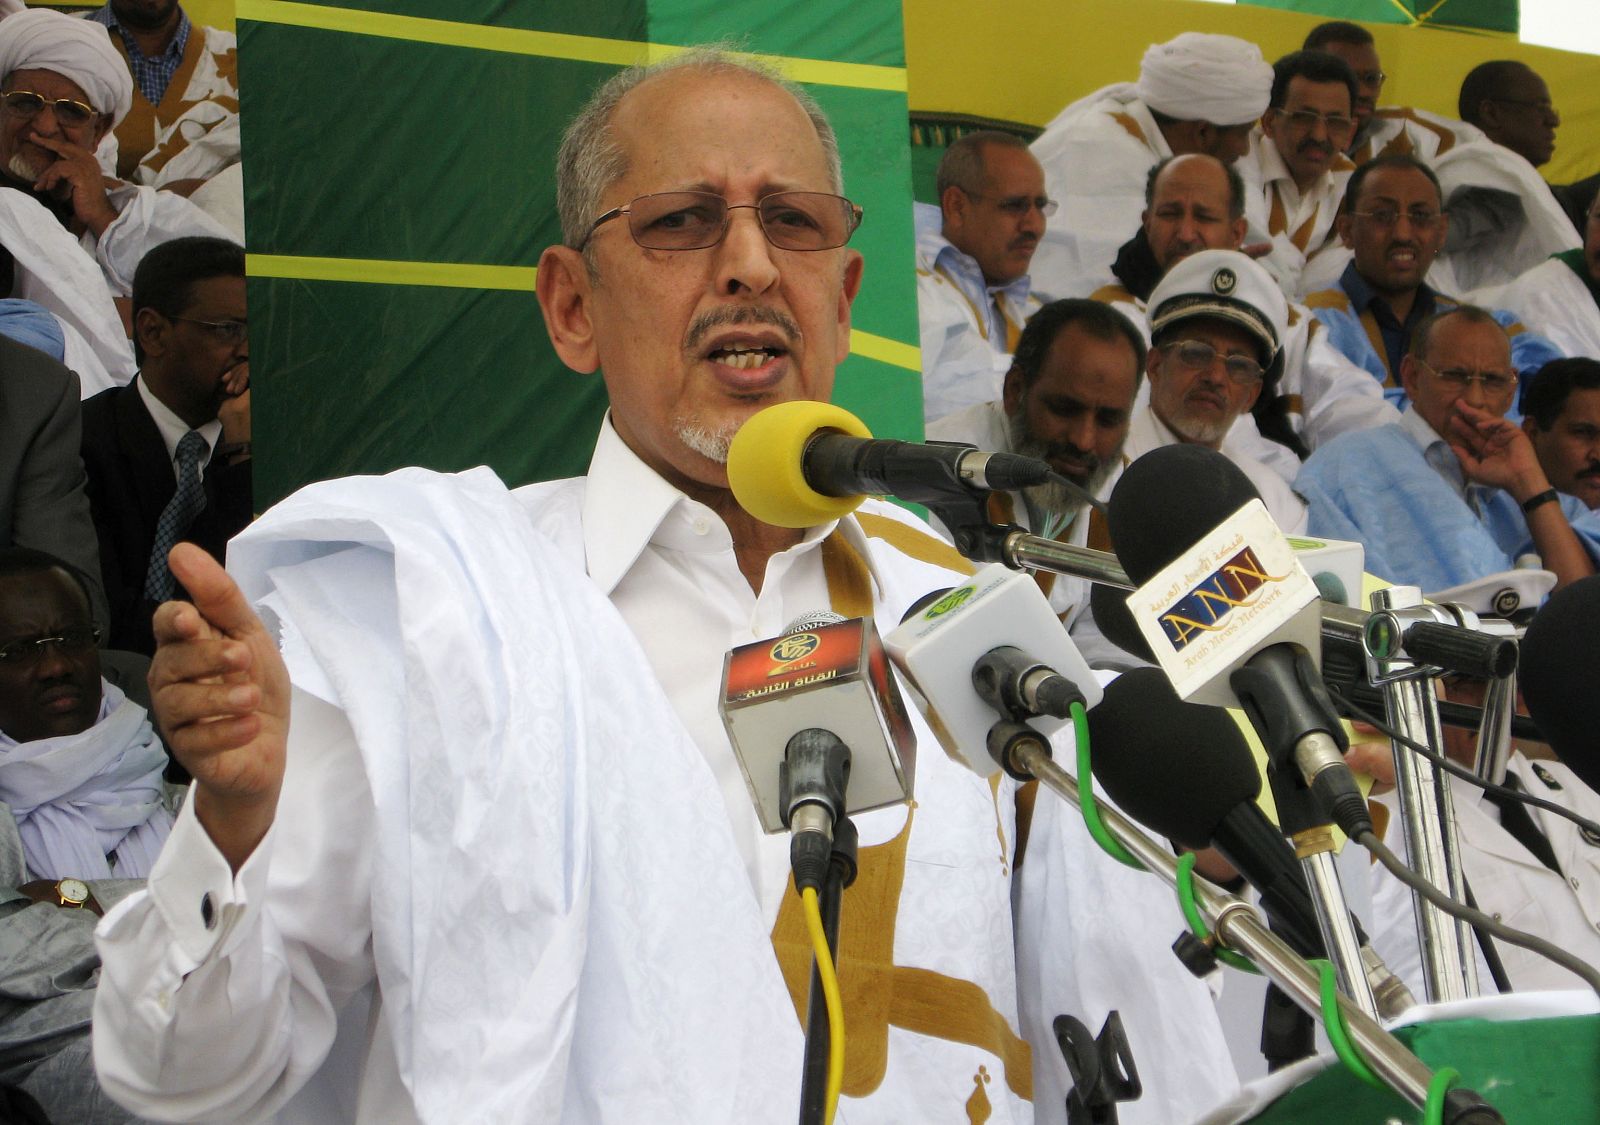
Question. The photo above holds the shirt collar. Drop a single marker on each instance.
(172, 428)
(1435, 450)
(947, 258)
(627, 506)
(175, 46)
(1362, 294)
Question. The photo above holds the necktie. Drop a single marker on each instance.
(1519, 823)
(188, 501)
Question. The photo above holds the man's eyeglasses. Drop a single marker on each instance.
(1197, 355)
(223, 331)
(695, 220)
(28, 105)
(1422, 218)
(1543, 105)
(28, 650)
(1305, 120)
(1495, 383)
(1371, 77)
(1018, 205)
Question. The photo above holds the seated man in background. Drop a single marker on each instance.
(1216, 322)
(1197, 203)
(1296, 169)
(1561, 414)
(973, 290)
(1067, 400)
(174, 129)
(1395, 225)
(168, 456)
(63, 87)
(1197, 93)
(1454, 493)
(83, 814)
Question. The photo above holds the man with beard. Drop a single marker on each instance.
(1067, 400)
(1561, 416)
(1196, 203)
(1216, 322)
(64, 87)
(484, 682)
(169, 117)
(973, 290)
(1394, 224)
(1296, 169)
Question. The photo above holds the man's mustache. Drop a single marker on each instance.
(726, 315)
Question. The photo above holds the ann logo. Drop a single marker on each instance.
(1203, 609)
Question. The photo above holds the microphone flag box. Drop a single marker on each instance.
(937, 647)
(835, 677)
(1335, 567)
(1236, 591)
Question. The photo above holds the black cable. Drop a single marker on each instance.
(1588, 973)
(1079, 491)
(1458, 770)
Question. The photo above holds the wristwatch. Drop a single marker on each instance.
(71, 893)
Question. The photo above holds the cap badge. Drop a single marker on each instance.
(1223, 282)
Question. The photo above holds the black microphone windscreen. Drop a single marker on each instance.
(1109, 608)
(1167, 500)
(1556, 675)
(1178, 768)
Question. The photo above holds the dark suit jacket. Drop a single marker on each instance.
(130, 482)
(42, 501)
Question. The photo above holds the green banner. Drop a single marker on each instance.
(398, 191)
(1479, 15)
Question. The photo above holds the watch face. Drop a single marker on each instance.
(74, 890)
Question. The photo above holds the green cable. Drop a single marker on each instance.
(1443, 1078)
(1086, 804)
(1333, 1024)
(1197, 924)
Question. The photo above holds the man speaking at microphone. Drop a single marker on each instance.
(539, 891)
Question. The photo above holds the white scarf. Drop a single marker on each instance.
(78, 798)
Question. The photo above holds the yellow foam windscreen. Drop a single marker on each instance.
(765, 464)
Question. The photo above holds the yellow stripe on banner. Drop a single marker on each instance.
(548, 44)
(377, 271)
(455, 275)
(885, 350)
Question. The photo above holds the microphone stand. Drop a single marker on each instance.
(1239, 926)
(1427, 812)
(814, 1070)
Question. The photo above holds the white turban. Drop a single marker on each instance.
(40, 39)
(1199, 77)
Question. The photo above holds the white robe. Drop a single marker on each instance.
(1553, 301)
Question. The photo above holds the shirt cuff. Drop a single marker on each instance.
(197, 893)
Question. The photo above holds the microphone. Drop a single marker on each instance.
(1230, 614)
(803, 463)
(1184, 771)
(1557, 675)
(998, 625)
(797, 706)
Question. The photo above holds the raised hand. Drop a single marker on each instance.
(76, 177)
(220, 692)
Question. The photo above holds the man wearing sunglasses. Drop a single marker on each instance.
(973, 290)
(1455, 492)
(1296, 169)
(83, 813)
(168, 455)
(560, 661)
(1216, 322)
(63, 87)
(1394, 225)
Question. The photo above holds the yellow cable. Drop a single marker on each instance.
(830, 993)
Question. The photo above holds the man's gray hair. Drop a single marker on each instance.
(962, 163)
(590, 160)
